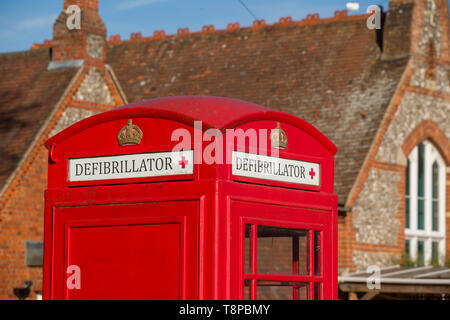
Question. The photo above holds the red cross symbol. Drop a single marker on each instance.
(183, 162)
(312, 173)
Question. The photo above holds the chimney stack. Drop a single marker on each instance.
(84, 41)
(86, 4)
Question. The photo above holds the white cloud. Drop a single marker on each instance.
(353, 6)
(36, 22)
(124, 5)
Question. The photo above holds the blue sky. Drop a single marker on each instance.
(23, 22)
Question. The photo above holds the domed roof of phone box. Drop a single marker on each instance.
(214, 112)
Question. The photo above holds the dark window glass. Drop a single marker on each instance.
(407, 179)
(281, 290)
(407, 246)
(317, 291)
(435, 200)
(301, 291)
(435, 252)
(282, 250)
(407, 213)
(248, 249)
(317, 254)
(420, 253)
(435, 183)
(301, 253)
(421, 171)
(435, 217)
(421, 214)
(247, 289)
(421, 188)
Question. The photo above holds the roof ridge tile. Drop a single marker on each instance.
(310, 19)
(46, 44)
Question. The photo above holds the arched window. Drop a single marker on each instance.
(425, 205)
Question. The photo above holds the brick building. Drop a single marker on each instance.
(382, 96)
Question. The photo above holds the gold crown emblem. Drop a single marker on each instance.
(129, 134)
(278, 138)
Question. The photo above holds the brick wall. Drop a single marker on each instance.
(345, 240)
(22, 219)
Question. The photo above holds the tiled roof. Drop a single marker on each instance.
(328, 72)
(28, 93)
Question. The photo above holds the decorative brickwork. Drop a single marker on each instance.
(428, 129)
(94, 89)
(413, 109)
(69, 117)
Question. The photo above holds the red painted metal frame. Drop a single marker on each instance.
(220, 196)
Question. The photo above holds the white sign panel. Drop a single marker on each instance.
(276, 169)
(140, 165)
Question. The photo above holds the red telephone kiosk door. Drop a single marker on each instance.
(136, 255)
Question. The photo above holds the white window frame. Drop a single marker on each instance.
(427, 235)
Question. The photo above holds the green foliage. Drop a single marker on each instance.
(406, 261)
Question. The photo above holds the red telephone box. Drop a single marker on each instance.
(190, 198)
